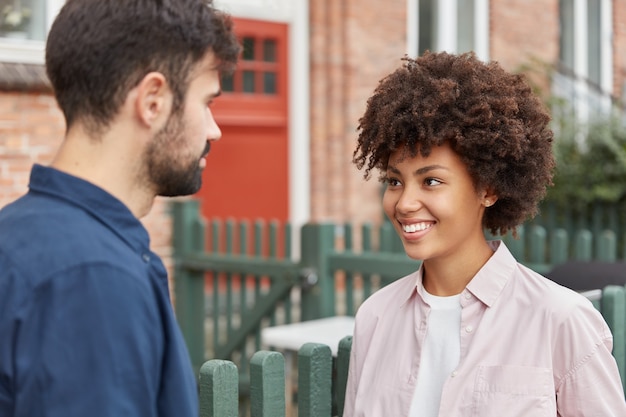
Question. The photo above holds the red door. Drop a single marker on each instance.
(247, 170)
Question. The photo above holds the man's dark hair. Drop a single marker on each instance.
(488, 116)
(98, 50)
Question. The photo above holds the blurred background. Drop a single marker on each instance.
(289, 113)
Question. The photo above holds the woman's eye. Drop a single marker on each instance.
(392, 182)
(431, 182)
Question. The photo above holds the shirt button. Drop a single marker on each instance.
(467, 295)
(454, 373)
(146, 257)
(469, 329)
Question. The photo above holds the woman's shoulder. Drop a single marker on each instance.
(395, 293)
(549, 298)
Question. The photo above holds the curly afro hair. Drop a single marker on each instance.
(489, 117)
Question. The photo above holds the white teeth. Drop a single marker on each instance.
(416, 227)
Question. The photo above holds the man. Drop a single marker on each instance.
(86, 324)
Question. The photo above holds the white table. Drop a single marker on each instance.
(291, 337)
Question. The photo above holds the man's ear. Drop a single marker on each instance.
(153, 102)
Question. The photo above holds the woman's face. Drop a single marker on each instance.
(434, 206)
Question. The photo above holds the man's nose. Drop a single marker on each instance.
(213, 130)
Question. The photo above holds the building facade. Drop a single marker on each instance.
(290, 112)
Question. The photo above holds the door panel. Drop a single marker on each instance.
(246, 174)
(247, 170)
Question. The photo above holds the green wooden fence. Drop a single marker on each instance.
(234, 278)
(321, 383)
(322, 380)
(594, 217)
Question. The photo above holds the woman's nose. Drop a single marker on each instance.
(408, 202)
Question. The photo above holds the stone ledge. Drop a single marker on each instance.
(23, 77)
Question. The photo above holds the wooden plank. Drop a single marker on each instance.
(267, 384)
(251, 319)
(395, 265)
(256, 265)
(314, 380)
(219, 389)
(343, 364)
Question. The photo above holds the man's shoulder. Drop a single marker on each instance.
(40, 236)
(35, 221)
(32, 210)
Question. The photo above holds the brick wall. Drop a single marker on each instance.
(522, 34)
(31, 130)
(353, 45)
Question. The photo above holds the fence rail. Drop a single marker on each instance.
(233, 279)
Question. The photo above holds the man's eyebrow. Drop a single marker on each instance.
(419, 171)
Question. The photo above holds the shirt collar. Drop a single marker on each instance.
(101, 205)
(486, 285)
(491, 279)
(413, 283)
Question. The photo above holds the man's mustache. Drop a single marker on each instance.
(207, 148)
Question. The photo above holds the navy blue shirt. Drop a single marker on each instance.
(86, 323)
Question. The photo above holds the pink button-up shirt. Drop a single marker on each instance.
(529, 347)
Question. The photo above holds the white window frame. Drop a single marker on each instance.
(447, 27)
(29, 51)
(577, 90)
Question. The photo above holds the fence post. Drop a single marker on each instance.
(559, 245)
(318, 291)
(583, 250)
(537, 249)
(189, 285)
(219, 389)
(314, 380)
(613, 307)
(517, 246)
(267, 384)
(607, 246)
(343, 364)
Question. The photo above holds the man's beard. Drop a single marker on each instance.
(167, 170)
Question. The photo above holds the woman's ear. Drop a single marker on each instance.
(489, 197)
(153, 101)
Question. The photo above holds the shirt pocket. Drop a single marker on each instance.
(514, 391)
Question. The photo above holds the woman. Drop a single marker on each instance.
(464, 146)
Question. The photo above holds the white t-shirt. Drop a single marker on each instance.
(440, 353)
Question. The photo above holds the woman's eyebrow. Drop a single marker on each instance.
(419, 171)
(428, 168)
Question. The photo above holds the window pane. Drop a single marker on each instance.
(594, 51)
(465, 31)
(269, 50)
(427, 36)
(228, 84)
(248, 81)
(269, 83)
(248, 49)
(566, 39)
(23, 19)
